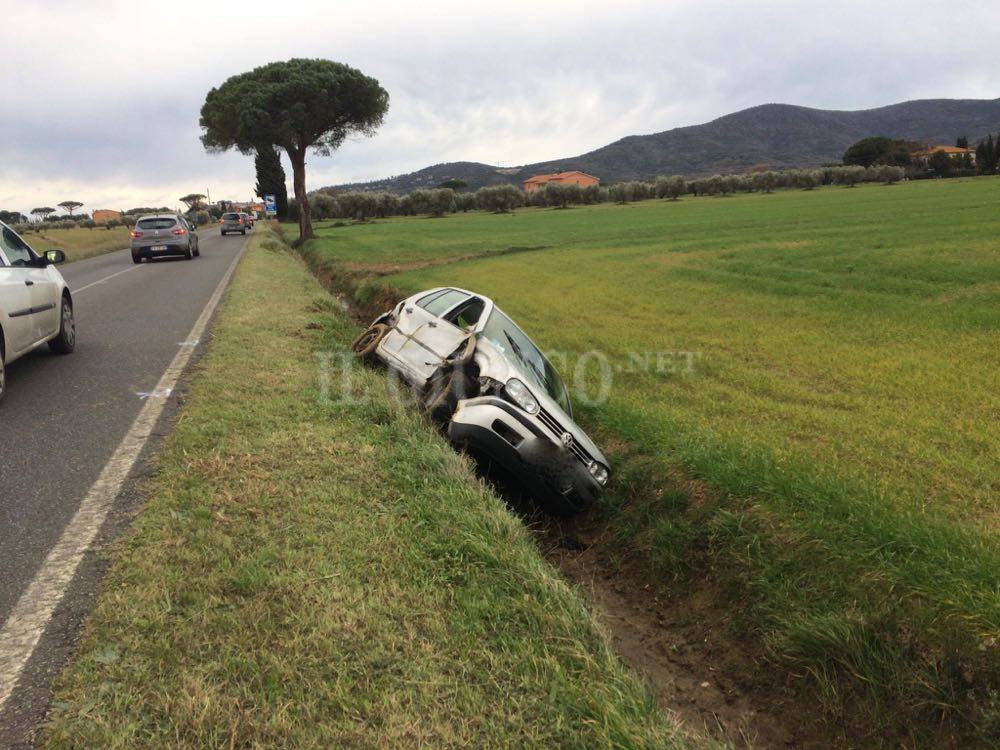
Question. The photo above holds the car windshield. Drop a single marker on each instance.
(503, 333)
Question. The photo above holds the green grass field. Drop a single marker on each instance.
(313, 573)
(79, 243)
(843, 405)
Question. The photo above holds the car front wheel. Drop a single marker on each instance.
(3, 377)
(65, 340)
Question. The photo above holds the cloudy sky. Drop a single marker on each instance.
(101, 98)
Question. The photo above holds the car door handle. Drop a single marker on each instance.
(29, 283)
(432, 324)
(408, 309)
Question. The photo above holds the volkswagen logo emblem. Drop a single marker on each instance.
(567, 439)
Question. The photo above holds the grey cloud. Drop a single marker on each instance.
(107, 98)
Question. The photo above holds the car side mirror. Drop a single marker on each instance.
(55, 257)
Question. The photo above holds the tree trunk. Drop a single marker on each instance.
(298, 159)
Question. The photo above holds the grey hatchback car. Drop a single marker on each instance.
(492, 388)
(232, 222)
(163, 235)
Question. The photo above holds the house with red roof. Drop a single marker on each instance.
(566, 178)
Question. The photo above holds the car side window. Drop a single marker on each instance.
(467, 315)
(16, 249)
(444, 302)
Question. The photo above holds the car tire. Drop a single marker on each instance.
(445, 388)
(188, 255)
(222, 234)
(65, 340)
(364, 345)
(137, 259)
(243, 231)
(197, 251)
(3, 376)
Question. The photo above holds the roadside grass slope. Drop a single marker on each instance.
(842, 405)
(313, 572)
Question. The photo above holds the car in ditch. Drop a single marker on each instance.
(36, 307)
(161, 236)
(498, 396)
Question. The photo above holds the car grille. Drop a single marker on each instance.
(557, 429)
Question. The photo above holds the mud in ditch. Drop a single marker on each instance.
(684, 646)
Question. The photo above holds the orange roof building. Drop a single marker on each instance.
(566, 178)
(955, 152)
(104, 215)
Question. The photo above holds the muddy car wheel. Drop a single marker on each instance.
(446, 387)
(365, 344)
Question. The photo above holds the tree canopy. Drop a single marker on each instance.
(69, 206)
(193, 201)
(12, 217)
(296, 105)
(455, 184)
(988, 155)
(878, 150)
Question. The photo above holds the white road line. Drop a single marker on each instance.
(101, 281)
(30, 616)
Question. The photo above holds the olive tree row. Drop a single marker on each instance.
(362, 205)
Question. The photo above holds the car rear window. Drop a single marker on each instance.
(231, 217)
(442, 302)
(163, 223)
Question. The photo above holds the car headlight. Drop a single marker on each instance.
(599, 472)
(520, 395)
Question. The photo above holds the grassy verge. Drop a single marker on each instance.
(841, 409)
(328, 573)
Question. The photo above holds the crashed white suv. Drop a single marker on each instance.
(35, 305)
(499, 396)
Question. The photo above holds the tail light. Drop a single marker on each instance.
(134, 234)
(180, 230)
(221, 221)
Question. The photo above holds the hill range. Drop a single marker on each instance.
(778, 135)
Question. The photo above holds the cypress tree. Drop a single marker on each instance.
(271, 178)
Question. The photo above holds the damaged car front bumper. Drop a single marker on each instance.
(535, 448)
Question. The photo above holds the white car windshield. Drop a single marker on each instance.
(503, 333)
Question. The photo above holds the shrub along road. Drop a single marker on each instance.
(63, 419)
(329, 573)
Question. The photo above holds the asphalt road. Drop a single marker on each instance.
(63, 417)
